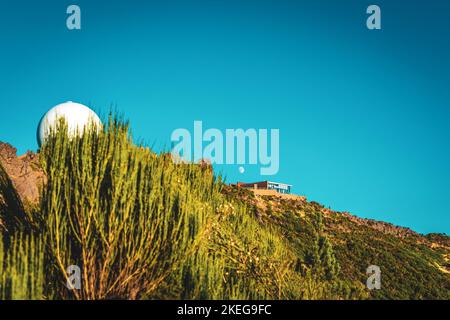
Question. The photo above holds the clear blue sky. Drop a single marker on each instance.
(363, 115)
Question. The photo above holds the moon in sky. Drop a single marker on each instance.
(76, 115)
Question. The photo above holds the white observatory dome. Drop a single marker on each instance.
(77, 116)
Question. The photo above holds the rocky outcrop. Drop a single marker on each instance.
(24, 171)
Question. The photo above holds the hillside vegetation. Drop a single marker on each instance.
(140, 226)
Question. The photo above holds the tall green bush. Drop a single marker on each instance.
(124, 215)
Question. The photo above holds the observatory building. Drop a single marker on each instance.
(267, 185)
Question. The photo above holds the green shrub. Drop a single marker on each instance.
(124, 215)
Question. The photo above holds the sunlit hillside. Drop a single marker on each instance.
(140, 226)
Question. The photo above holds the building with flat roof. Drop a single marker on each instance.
(267, 185)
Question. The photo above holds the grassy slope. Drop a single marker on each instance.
(141, 226)
(413, 266)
